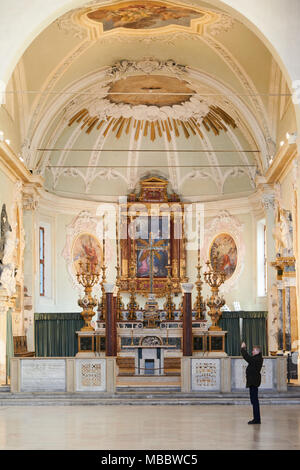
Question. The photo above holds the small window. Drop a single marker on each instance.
(42, 261)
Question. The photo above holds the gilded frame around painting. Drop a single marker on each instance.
(225, 223)
(152, 194)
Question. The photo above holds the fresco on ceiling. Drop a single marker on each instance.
(143, 15)
(224, 248)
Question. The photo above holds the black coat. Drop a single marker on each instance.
(253, 370)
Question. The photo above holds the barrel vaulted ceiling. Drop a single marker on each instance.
(121, 90)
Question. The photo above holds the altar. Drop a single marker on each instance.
(143, 328)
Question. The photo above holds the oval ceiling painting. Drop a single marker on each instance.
(224, 250)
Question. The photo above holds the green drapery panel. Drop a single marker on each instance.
(55, 334)
(254, 332)
(9, 341)
(232, 339)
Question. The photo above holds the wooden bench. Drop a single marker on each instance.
(20, 347)
(172, 366)
(126, 365)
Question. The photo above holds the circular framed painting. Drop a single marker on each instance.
(87, 248)
(224, 249)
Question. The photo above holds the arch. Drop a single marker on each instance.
(34, 20)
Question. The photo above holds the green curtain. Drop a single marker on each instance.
(55, 334)
(9, 341)
(230, 322)
(254, 331)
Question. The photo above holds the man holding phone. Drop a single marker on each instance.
(253, 378)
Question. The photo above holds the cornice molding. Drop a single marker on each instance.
(52, 203)
(282, 163)
(15, 169)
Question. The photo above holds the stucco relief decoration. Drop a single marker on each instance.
(224, 238)
(160, 95)
(82, 243)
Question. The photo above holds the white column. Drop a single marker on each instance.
(30, 264)
(268, 201)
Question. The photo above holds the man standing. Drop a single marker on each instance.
(253, 377)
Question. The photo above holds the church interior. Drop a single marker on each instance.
(149, 186)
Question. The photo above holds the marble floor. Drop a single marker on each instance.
(148, 427)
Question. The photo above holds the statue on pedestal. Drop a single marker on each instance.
(283, 232)
(7, 249)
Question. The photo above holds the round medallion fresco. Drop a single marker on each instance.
(224, 249)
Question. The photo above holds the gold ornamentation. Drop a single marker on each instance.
(87, 276)
(199, 305)
(132, 305)
(169, 306)
(214, 278)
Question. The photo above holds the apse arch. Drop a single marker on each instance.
(35, 20)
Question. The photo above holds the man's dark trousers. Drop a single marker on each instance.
(255, 402)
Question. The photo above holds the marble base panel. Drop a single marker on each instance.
(38, 375)
(268, 374)
(226, 374)
(62, 375)
(205, 375)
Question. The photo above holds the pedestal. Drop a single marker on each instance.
(90, 344)
(209, 343)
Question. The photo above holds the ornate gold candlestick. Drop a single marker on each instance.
(132, 305)
(169, 306)
(199, 304)
(87, 277)
(102, 303)
(119, 303)
(214, 278)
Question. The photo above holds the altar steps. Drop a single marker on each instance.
(135, 382)
(145, 398)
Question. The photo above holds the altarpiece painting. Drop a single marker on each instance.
(152, 242)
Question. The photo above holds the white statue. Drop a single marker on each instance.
(286, 228)
(8, 279)
(283, 232)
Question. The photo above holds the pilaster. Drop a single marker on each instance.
(30, 205)
(267, 195)
(4, 306)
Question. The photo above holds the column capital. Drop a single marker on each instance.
(109, 288)
(4, 300)
(187, 287)
(31, 196)
(268, 201)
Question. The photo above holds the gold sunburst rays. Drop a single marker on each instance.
(216, 120)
